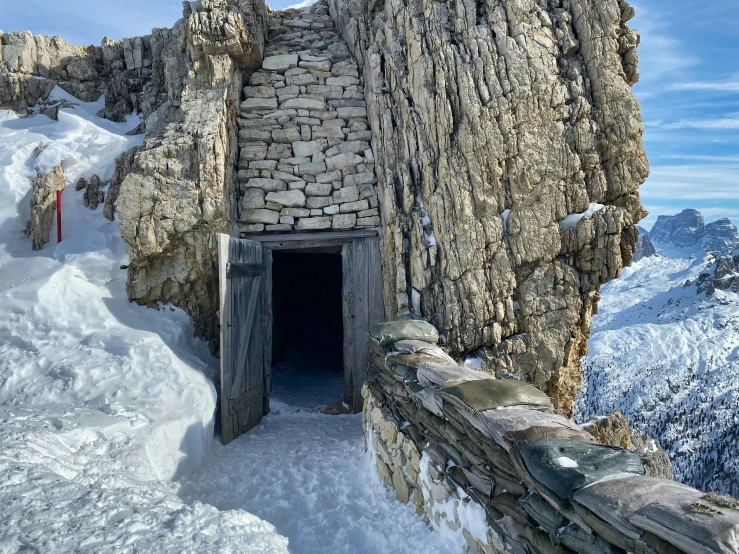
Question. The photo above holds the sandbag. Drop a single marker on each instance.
(565, 466)
(479, 480)
(394, 331)
(412, 359)
(611, 534)
(541, 543)
(583, 542)
(542, 512)
(495, 424)
(698, 525)
(437, 374)
(488, 394)
(430, 400)
(615, 500)
(420, 347)
(540, 432)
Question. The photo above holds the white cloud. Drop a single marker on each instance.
(692, 182)
(730, 85)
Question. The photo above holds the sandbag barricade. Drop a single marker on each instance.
(544, 484)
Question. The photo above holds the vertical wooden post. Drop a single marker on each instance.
(58, 216)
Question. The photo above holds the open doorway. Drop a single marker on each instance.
(307, 343)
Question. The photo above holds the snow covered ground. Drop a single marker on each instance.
(104, 405)
(667, 356)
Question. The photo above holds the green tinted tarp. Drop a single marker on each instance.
(565, 466)
(487, 394)
(394, 331)
(437, 374)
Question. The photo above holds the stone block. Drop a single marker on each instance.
(323, 116)
(360, 135)
(304, 79)
(251, 104)
(280, 64)
(313, 168)
(342, 161)
(267, 185)
(313, 223)
(349, 113)
(327, 91)
(278, 227)
(260, 215)
(323, 132)
(263, 164)
(369, 213)
(287, 219)
(316, 212)
(346, 194)
(334, 124)
(297, 185)
(333, 209)
(353, 146)
(329, 177)
(251, 228)
(260, 91)
(287, 199)
(254, 134)
(245, 174)
(320, 66)
(342, 80)
(274, 206)
(357, 206)
(295, 212)
(279, 151)
(251, 152)
(368, 221)
(308, 148)
(317, 202)
(318, 189)
(278, 114)
(303, 104)
(358, 179)
(252, 198)
(344, 221)
(285, 135)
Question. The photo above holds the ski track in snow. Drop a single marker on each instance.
(309, 475)
(103, 403)
(667, 356)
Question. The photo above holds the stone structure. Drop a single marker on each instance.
(502, 141)
(305, 158)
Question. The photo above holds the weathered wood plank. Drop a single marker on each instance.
(227, 433)
(360, 277)
(244, 270)
(347, 296)
(267, 319)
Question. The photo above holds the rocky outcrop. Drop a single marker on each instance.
(508, 152)
(43, 204)
(182, 187)
(305, 158)
(688, 230)
(644, 247)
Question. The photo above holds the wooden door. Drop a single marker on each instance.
(363, 307)
(246, 327)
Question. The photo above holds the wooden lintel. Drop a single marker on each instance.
(294, 241)
(244, 270)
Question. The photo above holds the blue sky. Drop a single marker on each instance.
(689, 89)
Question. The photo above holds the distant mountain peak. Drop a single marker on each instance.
(688, 229)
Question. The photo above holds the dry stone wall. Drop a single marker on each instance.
(305, 160)
(508, 148)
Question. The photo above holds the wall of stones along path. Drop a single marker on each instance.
(305, 160)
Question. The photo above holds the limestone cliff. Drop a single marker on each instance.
(493, 124)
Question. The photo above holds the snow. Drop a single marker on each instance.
(564, 461)
(101, 402)
(667, 356)
(571, 221)
(475, 362)
(309, 475)
(504, 214)
(106, 408)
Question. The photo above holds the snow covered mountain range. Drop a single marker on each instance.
(664, 348)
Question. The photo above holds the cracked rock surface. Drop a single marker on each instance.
(508, 148)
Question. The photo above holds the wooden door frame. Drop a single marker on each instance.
(354, 355)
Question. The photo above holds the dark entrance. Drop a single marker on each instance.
(307, 338)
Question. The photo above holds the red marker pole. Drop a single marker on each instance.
(59, 216)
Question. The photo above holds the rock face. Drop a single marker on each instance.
(43, 205)
(491, 124)
(644, 247)
(688, 229)
(182, 188)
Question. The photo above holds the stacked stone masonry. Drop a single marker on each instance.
(305, 160)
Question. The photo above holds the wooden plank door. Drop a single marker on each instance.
(363, 307)
(246, 329)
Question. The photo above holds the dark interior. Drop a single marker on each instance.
(307, 342)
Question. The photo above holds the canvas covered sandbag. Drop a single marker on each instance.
(438, 374)
(699, 525)
(565, 466)
(542, 512)
(390, 332)
(496, 424)
(544, 432)
(583, 542)
(489, 394)
(614, 501)
(420, 347)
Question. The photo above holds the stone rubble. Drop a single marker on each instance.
(305, 160)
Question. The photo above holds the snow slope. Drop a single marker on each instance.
(101, 401)
(667, 356)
